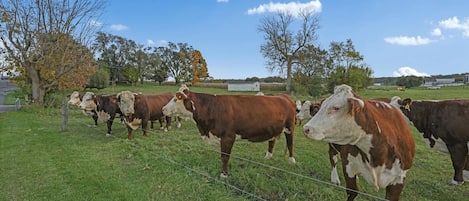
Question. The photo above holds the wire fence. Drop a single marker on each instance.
(217, 180)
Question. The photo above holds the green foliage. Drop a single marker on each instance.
(132, 74)
(409, 81)
(99, 80)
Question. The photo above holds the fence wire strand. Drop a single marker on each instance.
(233, 156)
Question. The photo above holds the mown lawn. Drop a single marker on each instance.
(38, 161)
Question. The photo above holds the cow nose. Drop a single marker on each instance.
(305, 130)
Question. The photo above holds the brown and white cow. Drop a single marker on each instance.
(445, 127)
(139, 109)
(105, 106)
(75, 99)
(232, 117)
(306, 111)
(374, 140)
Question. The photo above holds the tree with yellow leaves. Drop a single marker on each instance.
(45, 42)
(199, 67)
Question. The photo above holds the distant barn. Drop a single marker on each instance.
(244, 86)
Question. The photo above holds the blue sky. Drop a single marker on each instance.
(396, 37)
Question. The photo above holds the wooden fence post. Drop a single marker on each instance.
(64, 115)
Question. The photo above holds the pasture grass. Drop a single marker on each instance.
(38, 161)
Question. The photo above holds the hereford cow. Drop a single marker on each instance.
(306, 111)
(75, 99)
(105, 106)
(139, 109)
(444, 125)
(229, 117)
(373, 140)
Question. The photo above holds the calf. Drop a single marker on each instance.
(105, 106)
(373, 140)
(229, 117)
(444, 125)
(138, 109)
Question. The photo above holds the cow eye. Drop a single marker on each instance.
(334, 109)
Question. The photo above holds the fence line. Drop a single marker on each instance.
(245, 159)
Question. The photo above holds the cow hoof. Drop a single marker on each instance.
(223, 175)
(92, 126)
(337, 183)
(456, 183)
(108, 135)
(268, 155)
(179, 125)
(292, 160)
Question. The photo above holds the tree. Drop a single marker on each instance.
(347, 67)
(132, 74)
(282, 46)
(409, 81)
(199, 67)
(176, 58)
(117, 52)
(313, 69)
(45, 41)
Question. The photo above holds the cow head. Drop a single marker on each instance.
(75, 98)
(126, 100)
(335, 120)
(176, 107)
(88, 103)
(304, 111)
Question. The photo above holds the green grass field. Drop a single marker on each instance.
(38, 161)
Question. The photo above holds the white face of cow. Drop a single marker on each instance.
(176, 107)
(126, 102)
(88, 103)
(333, 123)
(304, 111)
(75, 99)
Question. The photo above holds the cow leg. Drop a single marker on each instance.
(458, 153)
(145, 126)
(466, 169)
(268, 154)
(160, 120)
(179, 120)
(393, 192)
(168, 123)
(289, 138)
(109, 124)
(95, 119)
(350, 178)
(226, 144)
(333, 158)
(151, 125)
(129, 132)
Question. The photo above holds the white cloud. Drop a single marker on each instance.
(95, 23)
(222, 1)
(293, 8)
(454, 23)
(407, 71)
(118, 27)
(406, 40)
(150, 42)
(436, 32)
(162, 43)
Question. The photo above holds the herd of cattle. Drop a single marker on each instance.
(371, 136)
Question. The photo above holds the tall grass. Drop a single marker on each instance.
(40, 162)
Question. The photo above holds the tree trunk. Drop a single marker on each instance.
(37, 90)
(289, 69)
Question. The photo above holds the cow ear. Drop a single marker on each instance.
(356, 105)
(186, 91)
(407, 103)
